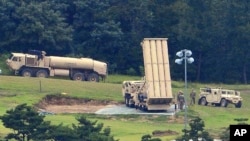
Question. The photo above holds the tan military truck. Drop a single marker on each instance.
(37, 64)
(219, 97)
(154, 92)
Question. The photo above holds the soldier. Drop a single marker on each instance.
(192, 97)
(180, 99)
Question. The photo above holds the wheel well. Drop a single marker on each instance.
(45, 69)
(223, 99)
(202, 97)
(84, 72)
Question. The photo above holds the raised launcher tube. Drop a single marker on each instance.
(157, 73)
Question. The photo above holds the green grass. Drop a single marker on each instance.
(122, 128)
(17, 90)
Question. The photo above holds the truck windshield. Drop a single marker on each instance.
(14, 58)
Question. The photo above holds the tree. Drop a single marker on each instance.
(96, 34)
(33, 25)
(29, 125)
(62, 133)
(196, 131)
(26, 123)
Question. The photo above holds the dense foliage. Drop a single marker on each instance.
(217, 32)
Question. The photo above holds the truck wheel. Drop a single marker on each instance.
(223, 103)
(203, 101)
(127, 101)
(78, 76)
(238, 105)
(93, 77)
(132, 105)
(42, 73)
(26, 73)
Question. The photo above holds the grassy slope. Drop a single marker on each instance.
(17, 90)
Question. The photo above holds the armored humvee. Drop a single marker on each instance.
(219, 97)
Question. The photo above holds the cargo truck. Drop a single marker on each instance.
(37, 64)
(154, 91)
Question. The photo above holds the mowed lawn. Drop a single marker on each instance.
(16, 90)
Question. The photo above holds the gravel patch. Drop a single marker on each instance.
(122, 109)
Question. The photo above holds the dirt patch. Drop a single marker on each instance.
(158, 133)
(53, 104)
(176, 119)
(64, 104)
(82, 108)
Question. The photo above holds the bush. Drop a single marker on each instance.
(131, 71)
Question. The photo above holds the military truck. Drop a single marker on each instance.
(154, 91)
(37, 64)
(219, 97)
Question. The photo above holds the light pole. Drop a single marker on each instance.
(185, 55)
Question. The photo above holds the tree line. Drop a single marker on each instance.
(216, 31)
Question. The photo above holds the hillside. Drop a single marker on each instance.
(16, 90)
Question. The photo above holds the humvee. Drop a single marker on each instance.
(219, 97)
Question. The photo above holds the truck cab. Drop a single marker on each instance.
(16, 61)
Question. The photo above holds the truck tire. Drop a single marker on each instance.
(238, 105)
(223, 103)
(26, 73)
(203, 101)
(42, 73)
(127, 97)
(78, 76)
(127, 101)
(93, 77)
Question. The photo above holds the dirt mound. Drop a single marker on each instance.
(158, 133)
(65, 104)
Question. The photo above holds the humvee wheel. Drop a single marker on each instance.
(217, 104)
(238, 105)
(223, 103)
(203, 101)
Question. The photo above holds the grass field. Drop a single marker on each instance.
(17, 90)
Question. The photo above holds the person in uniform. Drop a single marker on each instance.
(192, 97)
(181, 100)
